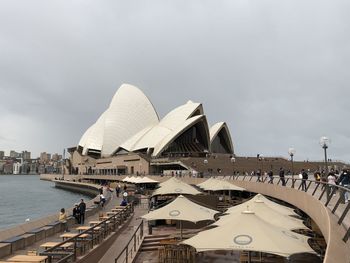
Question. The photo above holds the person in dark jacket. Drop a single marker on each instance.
(270, 177)
(281, 174)
(76, 213)
(344, 180)
(305, 177)
(82, 208)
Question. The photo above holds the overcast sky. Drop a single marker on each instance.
(276, 71)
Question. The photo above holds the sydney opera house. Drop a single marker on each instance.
(130, 138)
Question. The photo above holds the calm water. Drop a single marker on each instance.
(26, 196)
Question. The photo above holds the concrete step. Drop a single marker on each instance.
(145, 249)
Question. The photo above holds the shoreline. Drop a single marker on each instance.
(91, 190)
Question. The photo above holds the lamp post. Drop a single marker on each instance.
(324, 142)
(233, 160)
(291, 152)
(205, 161)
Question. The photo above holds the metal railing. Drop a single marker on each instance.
(57, 254)
(130, 250)
(323, 191)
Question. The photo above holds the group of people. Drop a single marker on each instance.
(78, 214)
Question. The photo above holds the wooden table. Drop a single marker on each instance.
(91, 223)
(111, 213)
(70, 235)
(52, 244)
(83, 228)
(25, 258)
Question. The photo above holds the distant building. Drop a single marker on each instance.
(26, 155)
(45, 157)
(2, 154)
(56, 157)
(14, 154)
(17, 168)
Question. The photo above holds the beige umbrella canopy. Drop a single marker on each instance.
(182, 209)
(265, 212)
(126, 179)
(175, 186)
(206, 182)
(219, 185)
(277, 207)
(249, 232)
(146, 180)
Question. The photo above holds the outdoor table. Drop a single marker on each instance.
(25, 258)
(111, 213)
(70, 235)
(83, 228)
(52, 244)
(91, 223)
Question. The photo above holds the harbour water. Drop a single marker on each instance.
(26, 196)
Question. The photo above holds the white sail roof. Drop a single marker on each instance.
(166, 130)
(215, 130)
(129, 112)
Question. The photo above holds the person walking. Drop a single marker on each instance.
(281, 174)
(62, 218)
(258, 174)
(76, 213)
(304, 177)
(331, 183)
(344, 180)
(82, 208)
(270, 174)
(117, 190)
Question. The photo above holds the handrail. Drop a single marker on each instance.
(118, 215)
(133, 238)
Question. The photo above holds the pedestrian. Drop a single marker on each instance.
(76, 213)
(102, 200)
(270, 177)
(125, 187)
(63, 220)
(331, 183)
(304, 177)
(317, 176)
(344, 180)
(281, 174)
(82, 208)
(258, 174)
(117, 190)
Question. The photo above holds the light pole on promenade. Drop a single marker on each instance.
(324, 142)
(291, 152)
(233, 160)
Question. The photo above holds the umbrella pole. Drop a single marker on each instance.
(180, 230)
(249, 257)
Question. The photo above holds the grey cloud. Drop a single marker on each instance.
(275, 71)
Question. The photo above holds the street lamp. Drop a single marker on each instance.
(291, 152)
(324, 142)
(205, 161)
(233, 160)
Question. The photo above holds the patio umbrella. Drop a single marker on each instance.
(175, 186)
(249, 232)
(220, 185)
(265, 212)
(126, 179)
(146, 180)
(182, 209)
(206, 182)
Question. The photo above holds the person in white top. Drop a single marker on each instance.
(331, 181)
